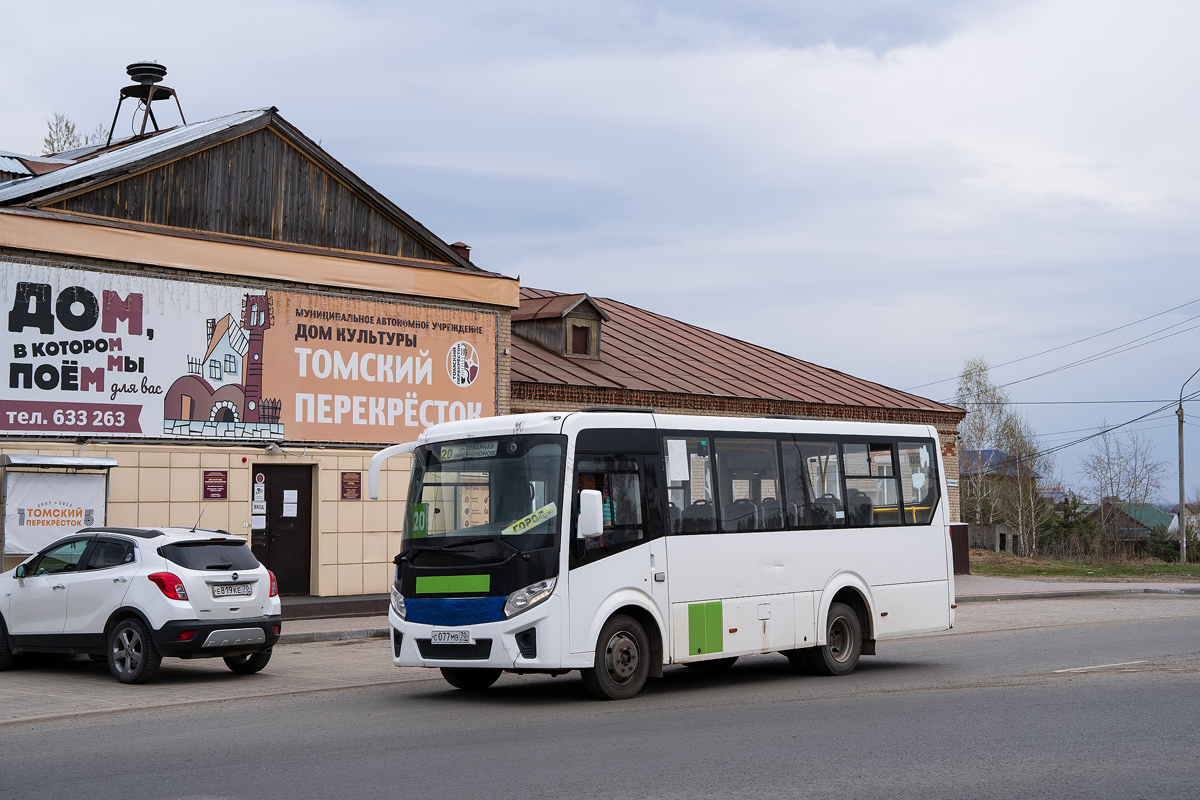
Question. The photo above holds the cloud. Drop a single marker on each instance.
(883, 187)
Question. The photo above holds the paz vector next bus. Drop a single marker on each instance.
(618, 542)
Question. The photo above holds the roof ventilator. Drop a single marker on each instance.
(146, 91)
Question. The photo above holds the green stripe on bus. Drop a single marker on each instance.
(696, 628)
(453, 584)
(705, 628)
(713, 628)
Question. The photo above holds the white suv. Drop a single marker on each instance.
(133, 595)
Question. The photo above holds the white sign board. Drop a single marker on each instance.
(41, 507)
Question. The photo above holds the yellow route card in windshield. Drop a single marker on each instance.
(532, 521)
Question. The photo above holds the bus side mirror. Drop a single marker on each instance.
(591, 514)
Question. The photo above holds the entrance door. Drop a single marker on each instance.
(285, 547)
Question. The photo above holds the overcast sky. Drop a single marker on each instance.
(885, 188)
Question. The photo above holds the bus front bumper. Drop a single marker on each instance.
(529, 641)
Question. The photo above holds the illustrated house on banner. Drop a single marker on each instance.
(221, 396)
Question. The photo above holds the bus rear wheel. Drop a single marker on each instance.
(470, 680)
(622, 660)
(843, 643)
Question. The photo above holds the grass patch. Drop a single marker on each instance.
(987, 562)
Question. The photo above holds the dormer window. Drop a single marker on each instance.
(581, 336)
(566, 324)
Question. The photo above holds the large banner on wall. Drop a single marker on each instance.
(40, 507)
(94, 353)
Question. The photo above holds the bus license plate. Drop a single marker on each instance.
(450, 637)
(232, 590)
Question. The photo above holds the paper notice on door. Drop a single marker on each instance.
(258, 523)
(289, 496)
(289, 509)
(677, 461)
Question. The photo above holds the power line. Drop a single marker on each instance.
(1050, 450)
(1112, 351)
(1069, 344)
(1070, 402)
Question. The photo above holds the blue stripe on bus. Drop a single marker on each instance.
(453, 610)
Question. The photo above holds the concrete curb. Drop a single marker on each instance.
(988, 598)
(333, 636)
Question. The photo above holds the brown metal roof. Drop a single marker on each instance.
(644, 351)
(554, 307)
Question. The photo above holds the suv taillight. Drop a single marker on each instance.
(274, 584)
(170, 585)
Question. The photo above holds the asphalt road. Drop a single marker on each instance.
(980, 715)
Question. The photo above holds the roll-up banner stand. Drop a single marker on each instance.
(48, 497)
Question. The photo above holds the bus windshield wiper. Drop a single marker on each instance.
(481, 540)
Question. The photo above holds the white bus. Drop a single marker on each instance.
(617, 542)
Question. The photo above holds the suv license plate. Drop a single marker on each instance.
(450, 637)
(232, 590)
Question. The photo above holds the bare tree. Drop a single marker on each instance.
(1002, 468)
(1018, 477)
(62, 134)
(987, 407)
(1120, 470)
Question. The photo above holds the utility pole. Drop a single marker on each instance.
(1182, 495)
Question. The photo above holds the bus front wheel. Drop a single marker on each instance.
(470, 680)
(843, 643)
(622, 660)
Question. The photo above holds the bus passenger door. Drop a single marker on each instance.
(629, 555)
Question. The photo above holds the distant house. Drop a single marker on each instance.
(1128, 522)
(988, 462)
(1193, 515)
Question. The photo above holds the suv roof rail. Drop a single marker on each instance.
(616, 409)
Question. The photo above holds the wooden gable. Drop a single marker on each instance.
(258, 185)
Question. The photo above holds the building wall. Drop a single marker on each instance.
(353, 541)
(159, 483)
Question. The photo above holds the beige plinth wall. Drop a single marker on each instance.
(353, 540)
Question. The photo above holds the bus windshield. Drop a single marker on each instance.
(509, 488)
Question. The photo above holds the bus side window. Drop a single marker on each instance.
(813, 480)
(748, 485)
(690, 507)
(919, 481)
(872, 496)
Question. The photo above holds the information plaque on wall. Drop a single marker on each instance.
(216, 484)
(351, 485)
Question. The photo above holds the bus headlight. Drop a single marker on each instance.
(527, 598)
(397, 603)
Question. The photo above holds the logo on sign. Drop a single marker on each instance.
(462, 364)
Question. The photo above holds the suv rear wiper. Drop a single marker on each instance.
(228, 565)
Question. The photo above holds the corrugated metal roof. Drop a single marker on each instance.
(644, 351)
(127, 156)
(553, 307)
(13, 165)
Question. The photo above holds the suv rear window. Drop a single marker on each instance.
(209, 555)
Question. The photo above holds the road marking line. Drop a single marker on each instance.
(1102, 666)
